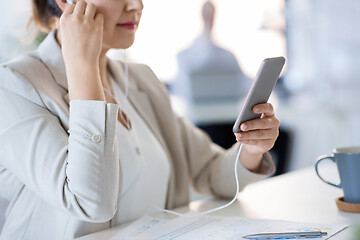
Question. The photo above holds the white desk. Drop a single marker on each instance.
(297, 196)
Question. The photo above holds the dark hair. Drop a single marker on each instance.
(208, 7)
(44, 13)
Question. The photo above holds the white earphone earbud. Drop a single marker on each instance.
(69, 1)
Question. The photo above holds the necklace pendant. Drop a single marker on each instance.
(124, 120)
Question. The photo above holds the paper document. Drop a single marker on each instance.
(216, 228)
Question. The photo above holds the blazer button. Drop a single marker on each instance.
(96, 138)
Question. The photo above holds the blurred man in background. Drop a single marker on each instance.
(208, 72)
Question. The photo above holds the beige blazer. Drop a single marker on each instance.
(59, 166)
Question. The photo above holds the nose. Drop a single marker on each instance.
(134, 5)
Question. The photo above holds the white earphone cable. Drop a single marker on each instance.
(218, 208)
(126, 77)
(126, 82)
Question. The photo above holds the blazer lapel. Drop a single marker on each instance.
(54, 62)
(138, 98)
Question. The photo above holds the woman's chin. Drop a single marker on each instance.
(123, 44)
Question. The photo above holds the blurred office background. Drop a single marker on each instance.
(318, 97)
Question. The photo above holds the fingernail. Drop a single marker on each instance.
(256, 110)
(244, 127)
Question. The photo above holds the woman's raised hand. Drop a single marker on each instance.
(81, 32)
(81, 44)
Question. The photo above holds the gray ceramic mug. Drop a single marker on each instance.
(348, 165)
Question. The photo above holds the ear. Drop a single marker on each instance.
(63, 3)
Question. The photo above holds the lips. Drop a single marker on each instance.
(127, 25)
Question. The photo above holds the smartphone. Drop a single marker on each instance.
(261, 89)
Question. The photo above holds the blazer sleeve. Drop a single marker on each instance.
(212, 168)
(76, 171)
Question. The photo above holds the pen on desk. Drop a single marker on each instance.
(286, 235)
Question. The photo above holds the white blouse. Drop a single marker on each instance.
(144, 166)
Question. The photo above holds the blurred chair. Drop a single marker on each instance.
(214, 85)
(221, 134)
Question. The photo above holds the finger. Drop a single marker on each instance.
(260, 123)
(265, 108)
(257, 135)
(90, 10)
(80, 8)
(263, 144)
(69, 9)
(250, 142)
(99, 18)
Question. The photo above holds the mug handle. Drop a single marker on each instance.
(321, 158)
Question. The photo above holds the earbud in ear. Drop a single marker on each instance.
(69, 1)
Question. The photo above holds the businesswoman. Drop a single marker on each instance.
(77, 157)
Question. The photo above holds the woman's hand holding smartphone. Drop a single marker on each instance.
(81, 44)
(257, 127)
(259, 135)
